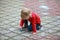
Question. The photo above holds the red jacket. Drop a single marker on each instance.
(34, 20)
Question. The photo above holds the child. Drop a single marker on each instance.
(33, 18)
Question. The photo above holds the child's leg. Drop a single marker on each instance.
(37, 26)
(26, 23)
(30, 27)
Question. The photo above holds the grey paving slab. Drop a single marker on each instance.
(57, 17)
(11, 39)
(46, 17)
(4, 31)
(56, 28)
(34, 37)
(43, 23)
(53, 23)
(5, 26)
(27, 39)
(10, 34)
(58, 22)
(42, 34)
(51, 31)
(7, 17)
(18, 37)
(18, 31)
(17, 25)
(27, 34)
(6, 22)
(12, 28)
(2, 37)
(13, 24)
(57, 33)
(49, 26)
(1, 19)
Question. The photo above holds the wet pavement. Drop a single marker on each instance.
(49, 10)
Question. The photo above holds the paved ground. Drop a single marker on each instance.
(49, 10)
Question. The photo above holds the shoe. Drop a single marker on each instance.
(20, 29)
(42, 29)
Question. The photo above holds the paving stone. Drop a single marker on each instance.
(52, 37)
(26, 34)
(49, 26)
(12, 28)
(2, 37)
(43, 23)
(53, 23)
(18, 37)
(57, 17)
(5, 26)
(57, 33)
(35, 37)
(56, 28)
(42, 19)
(2, 24)
(41, 0)
(44, 7)
(42, 34)
(48, 21)
(11, 39)
(27, 39)
(58, 22)
(59, 26)
(6, 22)
(51, 31)
(13, 19)
(4, 31)
(17, 26)
(1, 30)
(13, 16)
(1, 19)
(17, 21)
(13, 24)
(7, 17)
(18, 31)
(11, 34)
(46, 17)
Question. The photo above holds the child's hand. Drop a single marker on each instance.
(20, 28)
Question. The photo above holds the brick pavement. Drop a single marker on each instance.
(10, 16)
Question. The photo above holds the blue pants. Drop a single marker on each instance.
(30, 26)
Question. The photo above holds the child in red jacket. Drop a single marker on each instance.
(33, 18)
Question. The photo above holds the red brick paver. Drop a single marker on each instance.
(54, 6)
(49, 37)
